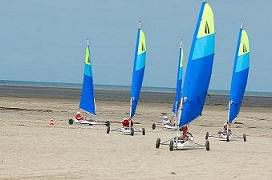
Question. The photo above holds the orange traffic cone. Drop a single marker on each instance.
(52, 121)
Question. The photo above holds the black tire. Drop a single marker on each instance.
(244, 137)
(207, 136)
(132, 132)
(108, 129)
(153, 126)
(228, 138)
(207, 145)
(158, 143)
(143, 131)
(171, 145)
(107, 123)
(71, 121)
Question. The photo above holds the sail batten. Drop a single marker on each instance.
(138, 71)
(199, 67)
(87, 100)
(239, 75)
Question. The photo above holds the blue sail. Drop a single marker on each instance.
(239, 76)
(199, 68)
(177, 100)
(138, 71)
(87, 100)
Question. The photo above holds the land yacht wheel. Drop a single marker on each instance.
(153, 126)
(132, 131)
(171, 145)
(244, 137)
(143, 131)
(207, 145)
(207, 136)
(228, 138)
(108, 129)
(71, 121)
(158, 143)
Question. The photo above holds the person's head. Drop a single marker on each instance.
(165, 117)
(78, 112)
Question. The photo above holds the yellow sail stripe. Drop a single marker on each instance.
(207, 22)
(244, 44)
(87, 56)
(142, 45)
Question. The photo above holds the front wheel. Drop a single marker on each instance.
(143, 131)
(153, 126)
(207, 145)
(171, 145)
(244, 137)
(158, 143)
(132, 131)
(71, 121)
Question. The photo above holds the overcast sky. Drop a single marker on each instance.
(44, 40)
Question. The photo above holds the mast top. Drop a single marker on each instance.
(87, 42)
(242, 24)
(181, 43)
(140, 24)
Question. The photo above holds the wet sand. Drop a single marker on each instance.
(31, 149)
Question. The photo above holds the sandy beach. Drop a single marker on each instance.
(32, 149)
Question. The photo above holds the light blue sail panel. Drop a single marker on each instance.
(199, 51)
(87, 101)
(138, 72)
(239, 78)
(199, 67)
(177, 100)
(242, 63)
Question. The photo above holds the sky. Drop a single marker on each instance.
(44, 40)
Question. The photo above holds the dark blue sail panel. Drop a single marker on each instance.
(177, 100)
(138, 72)
(135, 90)
(87, 101)
(196, 88)
(199, 67)
(240, 76)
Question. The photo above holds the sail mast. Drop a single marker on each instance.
(138, 70)
(239, 74)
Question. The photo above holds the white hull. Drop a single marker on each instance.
(84, 122)
(184, 145)
(125, 130)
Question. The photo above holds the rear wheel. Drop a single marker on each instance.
(143, 131)
(153, 126)
(158, 143)
(228, 138)
(207, 145)
(132, 131)
(71, 121)
(108, 129)
(171, 145)
(244, 137)
(207, 136)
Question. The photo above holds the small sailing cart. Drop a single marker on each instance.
(127, 124)
(197, 79)
(87, 100)
(237, 90)
(167, 123)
